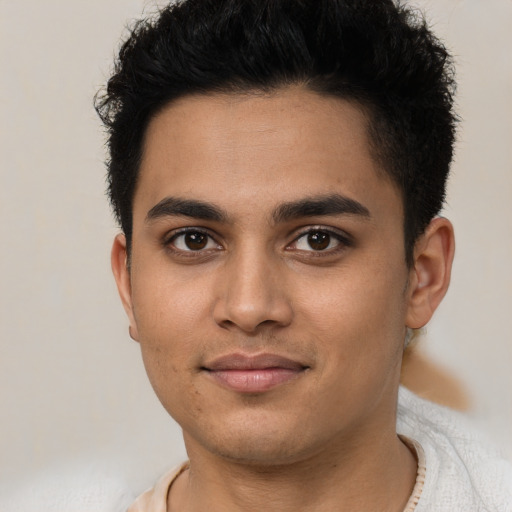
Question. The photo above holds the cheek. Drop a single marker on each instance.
(356, 296)
(168, 303)
(362, 312)
(170, 316)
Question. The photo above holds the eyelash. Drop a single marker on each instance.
(344, 241)
(171, 238)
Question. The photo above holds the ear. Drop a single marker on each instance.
(119, 262)
(430, 276)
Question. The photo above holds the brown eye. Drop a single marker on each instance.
(193, 241)
(319, 240)
(196, 241)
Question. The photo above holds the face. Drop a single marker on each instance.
(268, 287)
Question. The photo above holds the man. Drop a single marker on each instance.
(277, 168)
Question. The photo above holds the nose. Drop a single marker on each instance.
(252, 294)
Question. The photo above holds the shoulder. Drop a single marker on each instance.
(155, 499)
(464, 471)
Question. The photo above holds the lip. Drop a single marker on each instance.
(253, 373)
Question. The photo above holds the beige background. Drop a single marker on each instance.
(72, 385)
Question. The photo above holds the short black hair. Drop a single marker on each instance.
(377, 53)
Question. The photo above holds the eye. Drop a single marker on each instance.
(320, 240)
(192, 241)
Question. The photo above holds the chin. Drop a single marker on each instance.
(261, 451)
(256, 441)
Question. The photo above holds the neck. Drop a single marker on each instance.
(351, 475)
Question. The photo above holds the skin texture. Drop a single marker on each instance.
(326, 436)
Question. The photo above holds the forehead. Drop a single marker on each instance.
(259, 149)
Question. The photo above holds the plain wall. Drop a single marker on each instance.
(72, 384)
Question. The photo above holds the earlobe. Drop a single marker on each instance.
(430, 275)
(119, 262)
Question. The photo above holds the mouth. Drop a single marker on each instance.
(253, 374)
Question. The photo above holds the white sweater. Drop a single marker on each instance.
(463, 472)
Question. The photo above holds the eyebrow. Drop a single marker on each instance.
(176, 207)
(334, 204)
